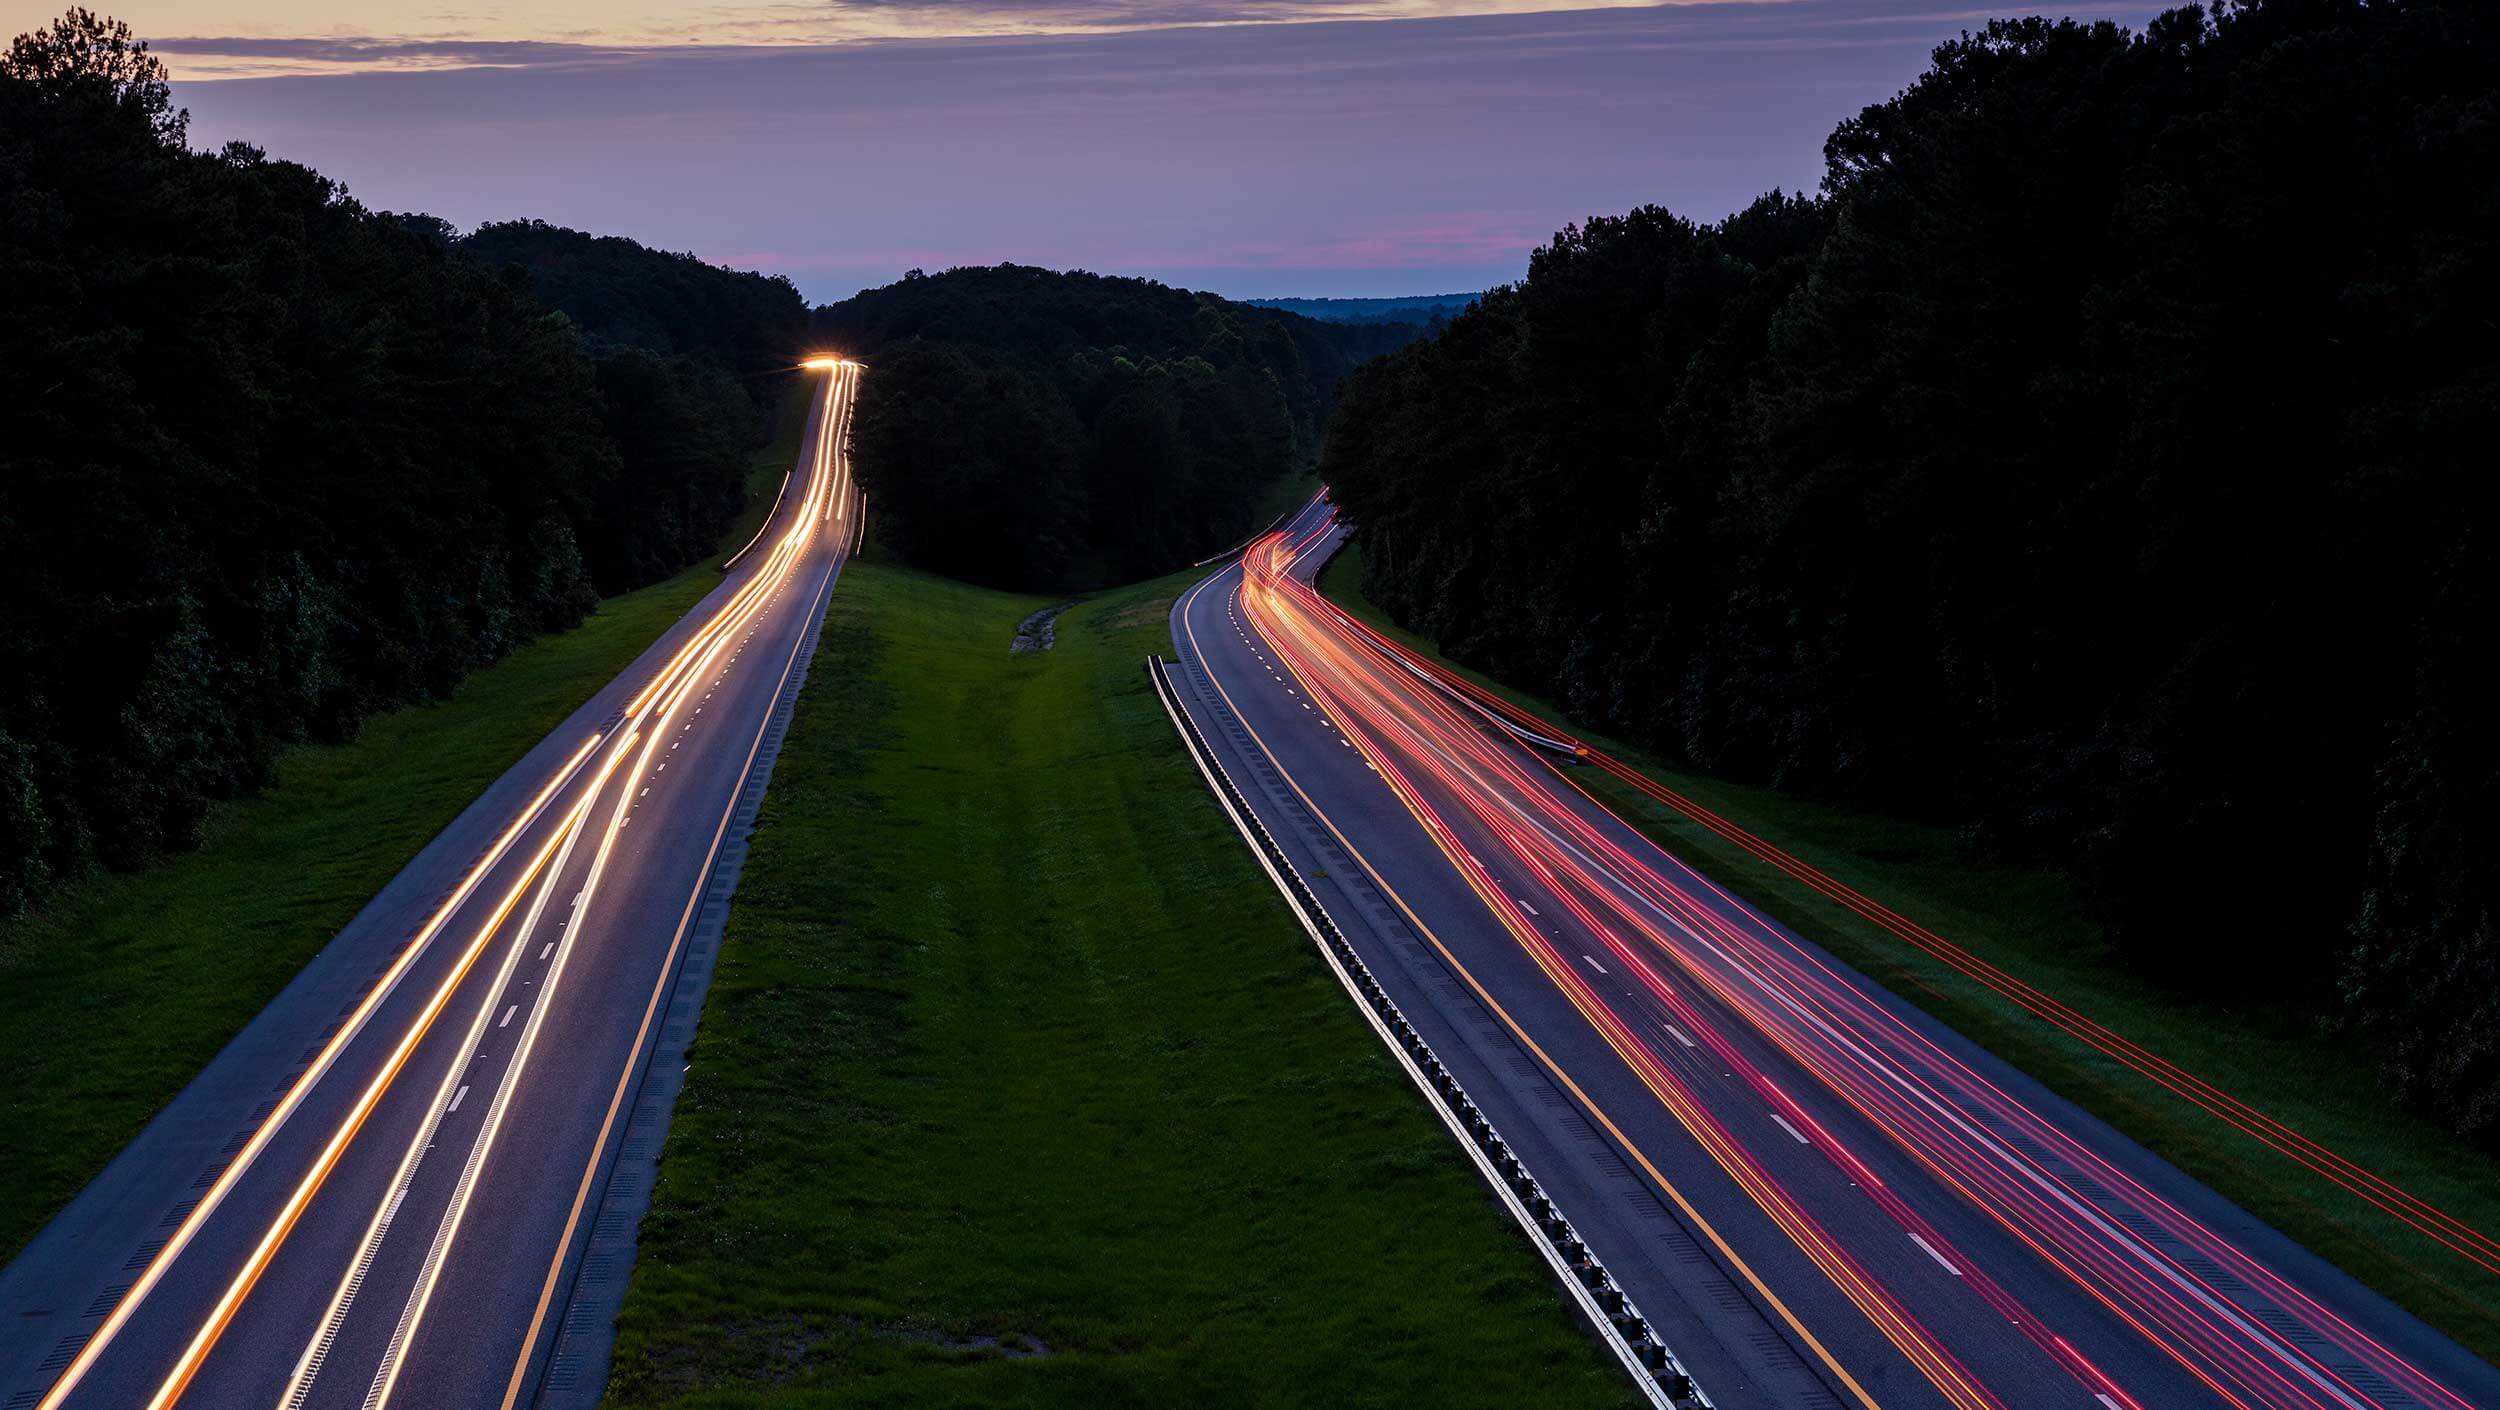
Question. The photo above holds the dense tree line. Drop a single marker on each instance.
(691, 362)
(2102, 460)
(1034, 429)
(270, 462)
(623, 294)
(1425, 309)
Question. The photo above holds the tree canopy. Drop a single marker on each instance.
(2099, 460)
(270, 462)
(1033, 429)
(622, 294)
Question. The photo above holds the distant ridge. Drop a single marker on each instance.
(1063, 431)
(1418, 308)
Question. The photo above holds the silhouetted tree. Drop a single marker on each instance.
(1162, 416)
(2100, 462)
(270, 462)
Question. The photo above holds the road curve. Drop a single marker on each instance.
(379, 1193)
(1819, 1196)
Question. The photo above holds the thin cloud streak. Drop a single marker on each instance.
(199, 59)
(207, 40)
(1378, 157)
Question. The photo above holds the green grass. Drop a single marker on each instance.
(123, 987)
(1012, 1047)
(2028, 922)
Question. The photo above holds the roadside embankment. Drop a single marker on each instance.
(122, 987)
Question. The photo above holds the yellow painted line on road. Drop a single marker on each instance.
(1484, 995)
(1872, 1300)
(650, 1012)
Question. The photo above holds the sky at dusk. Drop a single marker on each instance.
(1252, 147)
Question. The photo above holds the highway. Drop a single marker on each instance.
(1817, 1195)
(381, 1192)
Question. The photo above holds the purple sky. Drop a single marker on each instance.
(1325, 157)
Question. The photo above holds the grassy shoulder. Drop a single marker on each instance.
(1016, 1084)
(2027, 922)
(122, 988)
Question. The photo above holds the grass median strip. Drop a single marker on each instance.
(2029, 923)
(123, 987)
(1017, 1085)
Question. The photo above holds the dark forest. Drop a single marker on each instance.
(278, 462)
(2098, 461)
(1031, 429)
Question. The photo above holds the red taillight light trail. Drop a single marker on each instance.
(2433, 1222)
(1653, 919)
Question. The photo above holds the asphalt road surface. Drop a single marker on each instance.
(1818, 1196)
(378, 1193)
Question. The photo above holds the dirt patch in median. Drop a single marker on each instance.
(1039, 632)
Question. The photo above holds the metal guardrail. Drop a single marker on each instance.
(1278, 523)
(1517, 731)
(1655, 1370)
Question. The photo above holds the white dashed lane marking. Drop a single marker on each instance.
(1948, 1267)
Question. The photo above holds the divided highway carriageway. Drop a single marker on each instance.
(388, 1189)
(1815, 1195)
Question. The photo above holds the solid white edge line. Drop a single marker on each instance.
(628, 1081)
(666, 694)
(93, 1347)
(1587, 1301)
